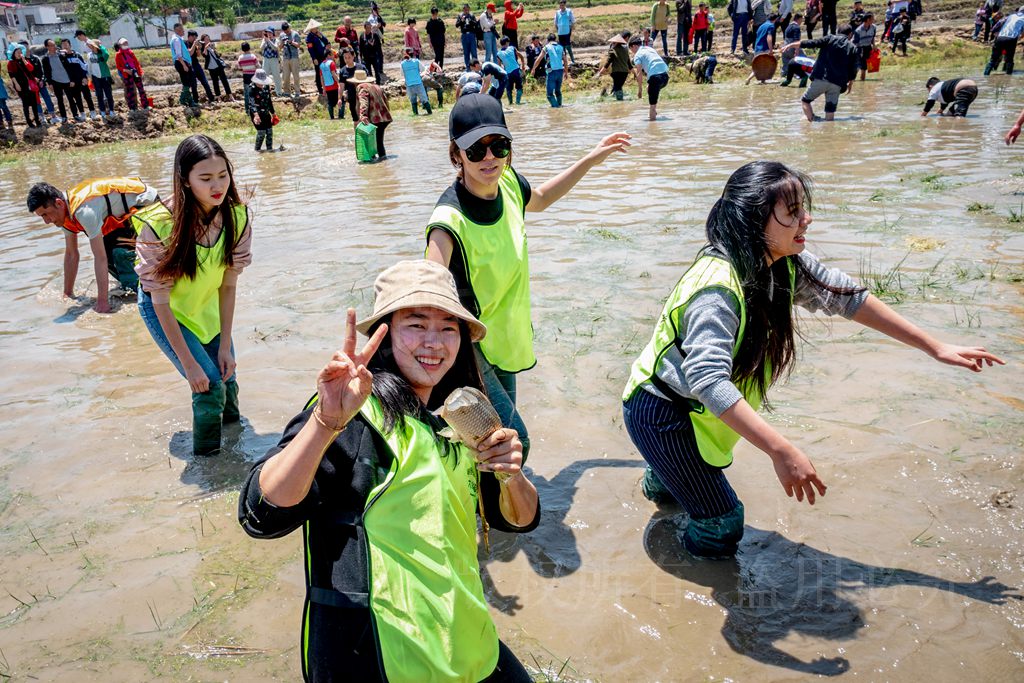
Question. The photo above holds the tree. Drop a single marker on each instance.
(94, 16)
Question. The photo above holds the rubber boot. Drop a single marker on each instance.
(716, 538)
(207, 411)
(619, 95)
(415, 108)
(440, 98)
(552, 101)
(427, 105)
(231, 412)
(654, 490)
(124, 266)
(519, 96)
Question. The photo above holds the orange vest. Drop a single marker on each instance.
(113, 190)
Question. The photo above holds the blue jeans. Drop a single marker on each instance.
(739, 29)
(5, 111)
(468, 47)
(490, 47)
(44, 92)
(501, 390)
(205, 354)
(554, 87)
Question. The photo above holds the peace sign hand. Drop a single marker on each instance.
(344, 384)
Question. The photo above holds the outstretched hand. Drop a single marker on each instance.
(1012, 135)
(616, 142)
(798, 476)
(344, 383)
(971, 357)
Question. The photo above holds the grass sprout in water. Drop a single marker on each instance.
(978, 207)
(887, 285)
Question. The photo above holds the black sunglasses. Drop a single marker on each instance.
(500, 148)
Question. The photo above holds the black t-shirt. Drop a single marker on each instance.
(345, 73)
(837, 59)
(435, 29)
(482, 212)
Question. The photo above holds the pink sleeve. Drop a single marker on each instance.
(150, 250)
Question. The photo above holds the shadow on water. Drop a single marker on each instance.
(775, 587)
(74, 312)
(551, 549)
(241, 446)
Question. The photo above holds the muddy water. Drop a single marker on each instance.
(122, 559)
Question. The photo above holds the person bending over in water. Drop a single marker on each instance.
(647, 64)
(379, 493)
(189, 259)
(478, 230)
(100, 208)
(959, 92)
(726, 335)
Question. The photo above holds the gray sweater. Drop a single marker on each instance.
(703, 370)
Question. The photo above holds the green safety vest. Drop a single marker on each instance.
(715, 439)
(194, 302)
(426, 597)
(496, 264)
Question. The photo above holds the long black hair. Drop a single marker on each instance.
(396, 395)
(181, 259)
(735, 228)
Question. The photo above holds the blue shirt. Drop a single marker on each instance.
(411, 70)
(508, 59)
(325, 73)
(648, 60)
(564, 21)
(1013, 27)
(554, 53)
(179, 50)
(763, 31)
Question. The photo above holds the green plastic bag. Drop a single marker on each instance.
(366, 141)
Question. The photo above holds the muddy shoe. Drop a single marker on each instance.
(654, 490)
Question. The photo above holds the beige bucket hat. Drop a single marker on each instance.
(409, 284)
(359, 76)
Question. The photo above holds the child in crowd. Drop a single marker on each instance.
(412, 38)
(979, 21)
(414, 89)
(512, 59)
(329, 78)
(248, 63)
(263, 109)
(188, 260)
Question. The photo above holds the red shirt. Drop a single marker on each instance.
(347, 34)
(510, 20)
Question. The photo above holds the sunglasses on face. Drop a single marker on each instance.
(500, 148)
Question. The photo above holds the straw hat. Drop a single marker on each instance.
(410, 284)
(617, 40)
(260, 77)
(313, 23)
(360, 77)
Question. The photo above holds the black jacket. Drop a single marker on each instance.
(48, 69)
(342, 636)
(837, 59)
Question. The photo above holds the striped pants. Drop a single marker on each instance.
(664, 436)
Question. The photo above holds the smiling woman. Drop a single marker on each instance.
(726, 335)
(478, 230)
(189, 258)
(388, 507)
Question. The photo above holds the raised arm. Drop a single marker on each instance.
(878, 316)
(556, 188)
(343, 385)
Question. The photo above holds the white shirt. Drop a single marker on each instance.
(486, 22)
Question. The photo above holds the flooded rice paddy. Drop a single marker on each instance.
(122, 559)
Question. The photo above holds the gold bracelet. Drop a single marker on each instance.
(318, 416)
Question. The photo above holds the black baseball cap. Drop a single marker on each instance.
(476, 116)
